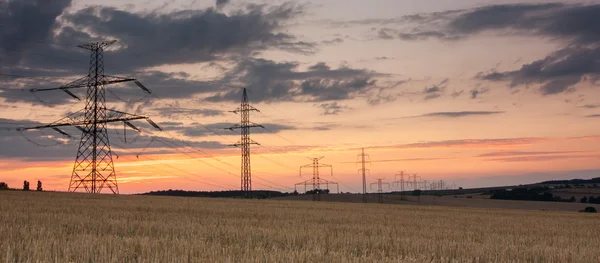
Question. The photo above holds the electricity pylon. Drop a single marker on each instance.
(245, 142)
(316, 180)
(363, 170)
(380, 185)
(414, 182)
(400, 183)
(94, 167)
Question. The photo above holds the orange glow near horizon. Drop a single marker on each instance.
(277, 170)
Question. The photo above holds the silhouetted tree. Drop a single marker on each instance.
(592, 200)
(572, 199)
(25, 186)
(39, 186)
(295, 192)
(3, 186)
(584, 199)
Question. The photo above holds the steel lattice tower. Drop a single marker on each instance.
(400, 183)
(316, 180)
(363, 170)
(380, 185)
(94, 166)
(245, 142)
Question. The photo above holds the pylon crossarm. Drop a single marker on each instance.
(96, 45)
(81, 123)
(250, 108)
(83, 82)
(237, 126)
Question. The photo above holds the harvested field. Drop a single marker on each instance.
(66, 227)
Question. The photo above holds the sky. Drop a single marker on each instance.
(474, 93)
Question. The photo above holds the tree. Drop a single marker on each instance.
(3, 186)
(25, 185)
(460, 188)
(39, 186)
(584, 199)
(572, 199)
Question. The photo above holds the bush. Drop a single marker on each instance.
(3, 186)
(589, 209)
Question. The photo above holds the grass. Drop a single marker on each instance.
(63, 227)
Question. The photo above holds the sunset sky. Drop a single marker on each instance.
(472, 92)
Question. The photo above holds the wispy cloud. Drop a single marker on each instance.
(468, 143)
(457, 114)
(523, 153)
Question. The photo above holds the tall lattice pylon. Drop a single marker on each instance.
(94, 167)
(316, 180)
(245, 142)
(380, 185)
(364, 171)
(400, 183)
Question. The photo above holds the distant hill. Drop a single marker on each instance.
(216, 194)
(574, 181)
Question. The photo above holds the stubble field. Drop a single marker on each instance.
(63, 227)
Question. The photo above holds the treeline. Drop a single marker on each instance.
(259, 194)
(540, 193)
(590, 200)
(574, 181)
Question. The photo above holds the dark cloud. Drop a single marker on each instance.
(333, 41)
(189, 36)
(48, 145)
(561, 71)
(575, 23)
(590, 106)
(457, 93)
(435, 91)
(332, 108)
(25, 22)
(35, 43)
(457, 114)
(221, 129)
(178, 112)
(222, 3)
(267, 80)
(478, 91)
(593, 116)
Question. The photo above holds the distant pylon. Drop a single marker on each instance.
(94, 167)
(363, 170)
(380, 185)
(245, 142)
(400, 183)
(316, 180)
